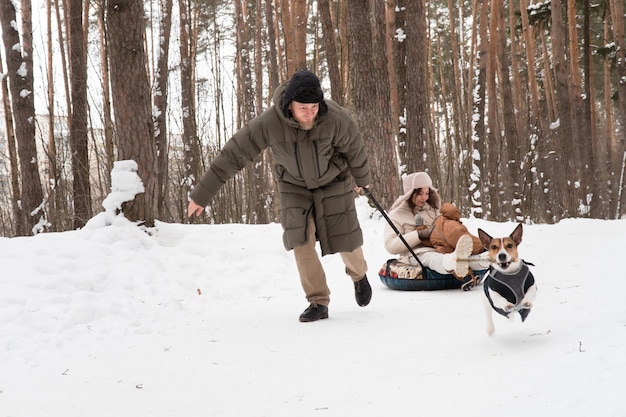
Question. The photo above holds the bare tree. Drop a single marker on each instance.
(295, 17)
(132, 102)
(16, 194)
(619, 37)
(190, 137)
(565, 133)
(19, 53)
(78, 119)
(370, 88)
(159, 97)
(418, 117)
(330, 46)
(511, 209)
(109, 143)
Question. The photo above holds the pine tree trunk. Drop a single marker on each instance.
(78, 120)
(132, 103)
(509, 200)
(619, 37)
(564, 132)
(16, 194)
(159, 97)
(191, 152)
(18, 54)
(370, 88)
(418, 86)
(330, 46)
(55, 199)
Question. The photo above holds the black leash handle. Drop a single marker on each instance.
(369, 195)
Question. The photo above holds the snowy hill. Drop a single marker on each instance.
(202, 320)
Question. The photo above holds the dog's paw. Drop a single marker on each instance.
(508, 307)
(527, 304)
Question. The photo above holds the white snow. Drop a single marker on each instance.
(22, 71)
(202, 320)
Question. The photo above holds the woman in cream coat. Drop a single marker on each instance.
(421, 204)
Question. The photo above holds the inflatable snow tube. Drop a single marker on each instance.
(399, 276)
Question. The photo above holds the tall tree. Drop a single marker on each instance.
(370, 89)
(272, 43)
(330, 46)
(132, 102)
(55, 196)
(78, 118)
(510, 132)
(18, 54)
(187, 91)
(298, 10)
(16, 195)
(480, 202)
(109, 143)
(418, 126)
(564, 132)
(160, 96)
(399, 53)
(619, 37)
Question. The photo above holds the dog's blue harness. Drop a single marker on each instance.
(512, 287)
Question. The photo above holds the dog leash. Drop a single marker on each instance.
(369, 195)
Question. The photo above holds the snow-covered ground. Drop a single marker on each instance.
(202, 320)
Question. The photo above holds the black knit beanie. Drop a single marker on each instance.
(303, 87)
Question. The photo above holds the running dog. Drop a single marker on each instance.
(509, 285)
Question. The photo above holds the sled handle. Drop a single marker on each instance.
(369, 195)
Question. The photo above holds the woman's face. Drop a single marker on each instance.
(420, 197)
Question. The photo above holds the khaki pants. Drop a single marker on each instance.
(312, 276)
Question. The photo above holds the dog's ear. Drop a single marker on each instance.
(517, 234)
(485, 239)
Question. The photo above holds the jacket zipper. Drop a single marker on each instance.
(296, 151)
(317, 159)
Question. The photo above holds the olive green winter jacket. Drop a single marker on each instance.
(313, 168)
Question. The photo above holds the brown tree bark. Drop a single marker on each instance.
(511, 141)
(272, 43)
(55, 199)
(390, 33)
(400, 51)
(417, 102)
(16, 193)
(159, 98)
(564, 133)
(480, 199)
(78, 119)
(107, 118)
(533, 183)
(132, 103)
(589, 144)
(330, 46)
(619, 37)
(299, 18)
(370, 88)
(18, 55)
(191, 146)
(530, 45)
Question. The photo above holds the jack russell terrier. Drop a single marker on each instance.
(509, 285)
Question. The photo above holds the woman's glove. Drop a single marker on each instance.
(425, 232)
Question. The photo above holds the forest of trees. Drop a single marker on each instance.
(516, 109)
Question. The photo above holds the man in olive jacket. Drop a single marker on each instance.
(318, 152)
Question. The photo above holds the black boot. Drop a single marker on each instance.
(362, 291)
(314, 312)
